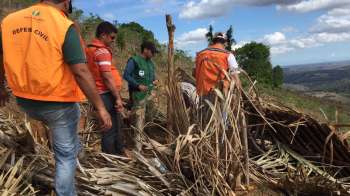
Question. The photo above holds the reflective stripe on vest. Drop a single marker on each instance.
(33, 56)
(94, 69)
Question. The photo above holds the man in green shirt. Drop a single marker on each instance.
(140, 75)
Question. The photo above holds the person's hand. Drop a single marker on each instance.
(143, 88)
(4, 97)
(238, 84)
(105, 119)
(119, 105)
(156, 82)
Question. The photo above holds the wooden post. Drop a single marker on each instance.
(171, 69)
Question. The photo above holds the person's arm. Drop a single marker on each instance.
(86, 82)
(128, 76)
(4, 97)
(74, 56)
(234, 69)
(154, 80)
(109, 81)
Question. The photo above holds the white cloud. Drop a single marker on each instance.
(205, 9)
(309, 41)
(280, 44)
(313, 5)
(201, 9)
(332, 37)
(334, 21)
(192, 37)
(304, 42)
(239, 45)
(275, 38)
(281, 49)
(266, 2)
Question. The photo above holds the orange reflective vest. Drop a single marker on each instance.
(33, 56)
(91, 53)
(211, 65)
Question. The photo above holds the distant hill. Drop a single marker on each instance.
(320, 79)
(315, 67)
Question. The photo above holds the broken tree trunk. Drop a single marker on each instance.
(171, 69)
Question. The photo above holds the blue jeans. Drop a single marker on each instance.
(111, 140)
(62, 120)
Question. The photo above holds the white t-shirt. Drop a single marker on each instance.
(232, 64)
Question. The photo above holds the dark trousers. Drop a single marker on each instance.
(204, 110)
(111, 139)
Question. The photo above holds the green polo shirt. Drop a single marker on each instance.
(72, 50)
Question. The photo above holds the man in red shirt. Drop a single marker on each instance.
(108, 82)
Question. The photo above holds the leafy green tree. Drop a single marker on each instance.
(121, 40)
(255, 60)
(140, 30)
(230, 39)
(277, 76)
(229, 34)
(210, 34)
(89, 25)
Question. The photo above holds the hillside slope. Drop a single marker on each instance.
(322, 109)
(325, 80)
(131, 35)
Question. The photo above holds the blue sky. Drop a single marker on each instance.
(298, 31)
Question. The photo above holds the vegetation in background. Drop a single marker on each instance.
(210, 34)
(6, 6)
(277, 76)
(321, 109)
(255, 60)
(230, 40)
(331, 79)
(129, 38)
(229, 33)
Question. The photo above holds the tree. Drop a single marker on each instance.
(146, 35)
(210, 34)
(229, 34)
(277, 76)
(255, 60)
(230, 39)
(88, 25)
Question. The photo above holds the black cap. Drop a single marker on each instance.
(150, 46)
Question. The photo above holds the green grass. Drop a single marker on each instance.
(309, 105)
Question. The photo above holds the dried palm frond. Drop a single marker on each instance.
(14, 182)
(291, 152)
